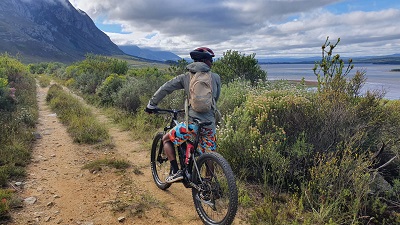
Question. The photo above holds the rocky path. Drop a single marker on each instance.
(58, 191)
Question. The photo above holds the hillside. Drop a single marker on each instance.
(161, 56)
(43, 30)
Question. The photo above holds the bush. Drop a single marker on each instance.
(328, 149)
(232, 96)
(338, 187)
(255, 137)
(18, 117)
(91, 72)
(129, 96)
(109, 89)
(234, 65)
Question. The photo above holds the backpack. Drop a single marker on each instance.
(200, 91)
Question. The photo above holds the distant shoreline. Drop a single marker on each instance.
(308, 83)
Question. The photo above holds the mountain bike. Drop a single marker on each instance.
(209, 175)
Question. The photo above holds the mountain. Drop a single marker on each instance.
(388, 59)
(161, 56)
(50, 30)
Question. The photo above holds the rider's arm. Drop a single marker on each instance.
(218, 83)
(167, 88)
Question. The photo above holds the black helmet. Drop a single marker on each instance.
(202, 53)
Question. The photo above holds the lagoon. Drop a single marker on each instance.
(379, 76)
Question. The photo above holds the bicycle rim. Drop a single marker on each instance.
(217, 203)
(160, 167)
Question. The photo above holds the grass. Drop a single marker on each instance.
(135, 201)
(44, 80)
(82, 124)
(97, 165)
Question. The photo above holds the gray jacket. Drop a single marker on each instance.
(182, 82)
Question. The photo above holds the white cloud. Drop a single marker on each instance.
(265, 27)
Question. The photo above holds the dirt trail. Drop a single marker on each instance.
(63, 193)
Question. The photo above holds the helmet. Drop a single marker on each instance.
(202, 53)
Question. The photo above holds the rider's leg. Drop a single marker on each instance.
(208, 143)
(169, 151)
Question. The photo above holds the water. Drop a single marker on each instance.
(379, 77)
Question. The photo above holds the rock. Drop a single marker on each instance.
(50, 204)
(379, 184)
(47, 218)
(37, 135)
(18, 183)
(121, 219)
(30, 200)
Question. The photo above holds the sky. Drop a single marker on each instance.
(268, 28)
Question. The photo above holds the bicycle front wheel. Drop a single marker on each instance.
(160, 166)
(216, 201)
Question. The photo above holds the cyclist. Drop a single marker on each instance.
(202, 58)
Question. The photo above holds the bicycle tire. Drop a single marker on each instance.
(218, 205)
(160, 166)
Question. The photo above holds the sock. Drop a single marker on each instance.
(174, 166)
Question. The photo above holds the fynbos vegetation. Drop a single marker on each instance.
(18, 116)
(329, 156)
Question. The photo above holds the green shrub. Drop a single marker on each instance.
(18, 117)
(129, 95)
(234, 65)
(87, 82)
(338, 187)
(44, 80)
(109, 88)
(91, 72)
(255, 137)
(5, 196)
(232, 96)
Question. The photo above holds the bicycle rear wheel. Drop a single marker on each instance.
(217, 201)
(160, 166)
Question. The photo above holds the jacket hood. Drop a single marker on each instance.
(198, 67)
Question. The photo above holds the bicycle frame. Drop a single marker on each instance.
(181, 150)
(209, 175)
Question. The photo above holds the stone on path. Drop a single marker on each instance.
(30, 200)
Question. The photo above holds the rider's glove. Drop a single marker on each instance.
(151, 108)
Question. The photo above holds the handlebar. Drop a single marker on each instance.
(173, 111)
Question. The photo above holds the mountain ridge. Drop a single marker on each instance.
(40, 30)
(161, 56)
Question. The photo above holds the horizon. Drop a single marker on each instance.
(270, 29)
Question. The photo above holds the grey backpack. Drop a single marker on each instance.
(200, 91)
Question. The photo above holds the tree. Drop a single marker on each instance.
(234, 65)
(178, 68)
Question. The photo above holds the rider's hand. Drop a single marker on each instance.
(151, 108)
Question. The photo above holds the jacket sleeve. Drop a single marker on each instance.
(218, 82)
(167, 88)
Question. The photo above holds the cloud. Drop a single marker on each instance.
(265, 27)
